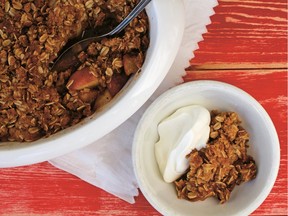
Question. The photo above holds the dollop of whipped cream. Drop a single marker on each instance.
(186, 129)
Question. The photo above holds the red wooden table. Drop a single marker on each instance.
(246, 46)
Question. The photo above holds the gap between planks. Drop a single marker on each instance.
(238, 66)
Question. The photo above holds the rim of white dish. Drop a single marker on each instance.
(85, 133)
(211, 84)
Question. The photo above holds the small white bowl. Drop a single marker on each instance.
(166, 33)
(264, 147)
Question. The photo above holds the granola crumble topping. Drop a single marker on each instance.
(36, 102)
(223, 164)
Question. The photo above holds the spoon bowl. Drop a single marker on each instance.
(69, 58)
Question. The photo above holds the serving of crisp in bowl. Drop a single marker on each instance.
(45, 114)
(206, 148)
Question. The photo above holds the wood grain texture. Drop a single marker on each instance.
(269, 87)
(43, 189)
(246, 46)
(245, 34)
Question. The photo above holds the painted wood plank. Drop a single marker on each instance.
(269, 87)
(245, 34)
(41, 188)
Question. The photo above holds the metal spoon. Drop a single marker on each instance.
(69, 57)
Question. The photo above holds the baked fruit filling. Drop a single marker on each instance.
(36, 102)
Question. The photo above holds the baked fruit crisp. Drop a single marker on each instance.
(36, 102)
(224, 163)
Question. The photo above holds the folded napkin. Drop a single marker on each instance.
(107, 163)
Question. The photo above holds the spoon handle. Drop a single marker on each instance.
(134, 13)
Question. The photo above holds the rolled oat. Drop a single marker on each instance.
(37, 102)
(223, 164)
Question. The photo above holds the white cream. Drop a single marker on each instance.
(187, 128)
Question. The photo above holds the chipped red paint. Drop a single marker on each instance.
(246, 46)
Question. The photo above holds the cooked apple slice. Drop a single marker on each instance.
(132, 63)
(116, 84)
(84, 78)
(102, 99)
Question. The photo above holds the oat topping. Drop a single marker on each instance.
(37, 102)
(223, 164)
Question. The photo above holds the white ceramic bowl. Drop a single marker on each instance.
(264, 147)
(165, 37)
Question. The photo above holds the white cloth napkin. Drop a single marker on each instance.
(107, 163)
